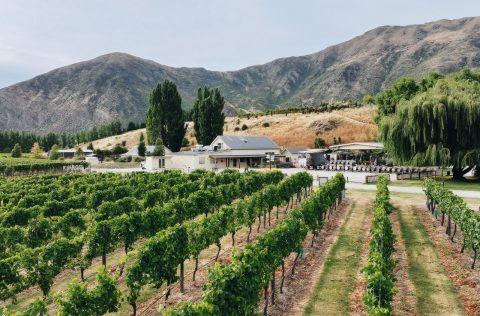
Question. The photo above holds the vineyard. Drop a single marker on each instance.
(29, 166)
(53, 223)
(142, 244)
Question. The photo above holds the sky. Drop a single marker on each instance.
(37, 36)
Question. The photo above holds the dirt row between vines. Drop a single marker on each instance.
(456, 264)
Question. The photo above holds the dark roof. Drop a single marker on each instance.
(296, 150)
(148, 149)
(248, 142)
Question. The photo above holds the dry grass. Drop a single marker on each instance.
(301, 129)
(296, 129)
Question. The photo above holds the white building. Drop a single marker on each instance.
(223, 152)
(292, 154)
(70, 153)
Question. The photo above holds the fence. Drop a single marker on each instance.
(322, 180)
(419, 174)
(374, 178)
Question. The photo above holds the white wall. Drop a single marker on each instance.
(188, 162)
(293, 157)
(153, 162)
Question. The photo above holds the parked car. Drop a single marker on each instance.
(284, 164)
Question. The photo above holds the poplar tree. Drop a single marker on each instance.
(165, 118)
(208, 117)
(141, 146)
(438, 126)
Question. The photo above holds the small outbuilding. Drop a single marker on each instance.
(70, 153)
(291, 154)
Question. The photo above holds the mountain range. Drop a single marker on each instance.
(116, 85)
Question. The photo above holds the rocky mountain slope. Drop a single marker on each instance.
(116, 85)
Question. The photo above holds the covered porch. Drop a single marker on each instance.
(238, 161)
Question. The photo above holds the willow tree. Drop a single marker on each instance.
(439, 126)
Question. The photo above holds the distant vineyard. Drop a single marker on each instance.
(11, 166)
(320, 108)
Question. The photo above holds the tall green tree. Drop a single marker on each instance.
(439, 126)
(207, 115)
(141, 146)
(165, 118)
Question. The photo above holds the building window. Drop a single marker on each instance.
(234, 162)
(219, 145)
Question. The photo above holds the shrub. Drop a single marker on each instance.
(124, 159)
(244, 127)
(237, 129)
(159, 148)
(17, 151)
(119, 149)
(319, 142)
(36, 150)
(53, 154)
(79, 153)
(266, 124)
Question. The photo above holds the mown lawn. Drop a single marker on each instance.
(469, 184)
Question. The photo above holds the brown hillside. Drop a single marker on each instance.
(292, 130)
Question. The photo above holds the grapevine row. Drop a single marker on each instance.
(378, 271)
(40, 265)
(235, 288)
(440, 199)
(35, 226)
(157, 260)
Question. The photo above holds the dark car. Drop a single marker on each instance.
(284, 164)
